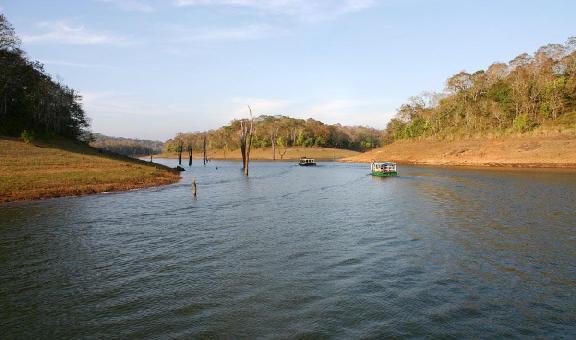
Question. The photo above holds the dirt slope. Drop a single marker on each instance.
(523, 151)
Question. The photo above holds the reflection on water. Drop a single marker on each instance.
(292, 252)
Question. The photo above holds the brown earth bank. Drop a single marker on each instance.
(266, 154)
(519, 151)
(66, 168)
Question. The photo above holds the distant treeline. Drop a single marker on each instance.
(126, 146)
(282, 132)
(31, 102)
(518, 96)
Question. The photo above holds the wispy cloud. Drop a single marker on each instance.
(352, 112)
(131, 5)
(136, 115)
(339, 110)
(239, 33)
(60, 32)
(260, 105)
(304, 9)
(80, 65)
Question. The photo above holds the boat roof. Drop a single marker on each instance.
(384, 163)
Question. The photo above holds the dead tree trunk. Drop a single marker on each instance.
(180, 148)
(282, 153)
(246, 133)
(273, 137)
(189, 155)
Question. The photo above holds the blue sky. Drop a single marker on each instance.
(151, 68)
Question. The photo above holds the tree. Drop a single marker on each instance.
(8, 39)
(30, 100)
(246, 133)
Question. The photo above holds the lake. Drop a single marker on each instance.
(298, 252)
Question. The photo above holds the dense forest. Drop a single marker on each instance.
(282, 132)
(31, 102)
(518, 96)
(126, 146)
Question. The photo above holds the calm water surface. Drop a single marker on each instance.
(296, 252)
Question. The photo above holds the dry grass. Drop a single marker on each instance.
(266, 154)
(522, 151)
(65, 168)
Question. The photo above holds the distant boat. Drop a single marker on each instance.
(383, 169)
(305, 161)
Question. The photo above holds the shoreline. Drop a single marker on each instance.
(464, 164)
(64, 168)
(537, 152)
(265, 154)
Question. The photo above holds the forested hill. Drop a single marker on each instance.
(31, 102)
(282, 132)
(126, 146)
(528, 92)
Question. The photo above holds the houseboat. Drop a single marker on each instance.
(383, 169)
(305, 161)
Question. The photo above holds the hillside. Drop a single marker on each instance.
(66, 168)
(531, 91)
(126, 146)
(519, 151)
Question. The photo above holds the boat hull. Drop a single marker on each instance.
(307, 164)
(384, 174)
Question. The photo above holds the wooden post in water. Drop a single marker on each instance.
(194, 187)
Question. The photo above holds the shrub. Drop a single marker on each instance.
(523, 123)
(27, 136)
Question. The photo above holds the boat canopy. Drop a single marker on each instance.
(383, 166)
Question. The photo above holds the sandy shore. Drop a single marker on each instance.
(523, 151)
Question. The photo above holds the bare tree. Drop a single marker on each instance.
(246, 133)
(180, 149)
(273, 138)
(283, 147)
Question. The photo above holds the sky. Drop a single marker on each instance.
(152, 68)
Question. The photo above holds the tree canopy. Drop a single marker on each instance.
(30, 99)
(126, 146)
(517, 96)
(283, 132)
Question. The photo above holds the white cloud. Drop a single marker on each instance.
(74, 64)
(131, 5)
(130, 115)
(369, 112)
(260, 105)
(60, 32)
(305, 9)
(115, 103)
(240, 33)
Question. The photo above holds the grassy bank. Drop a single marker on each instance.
(65, 168)
(557, 151)
(266, 154)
